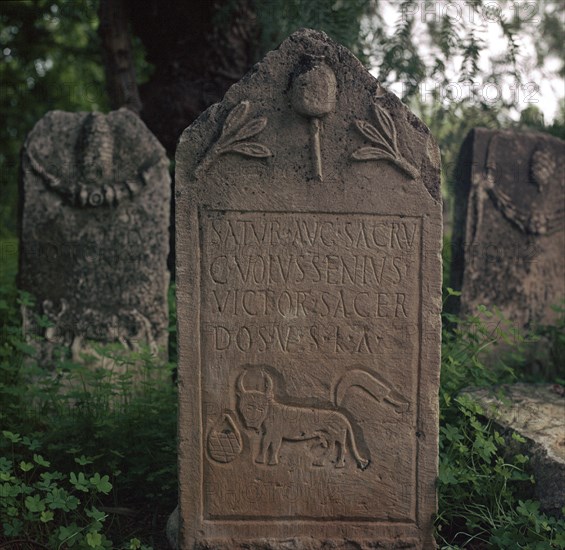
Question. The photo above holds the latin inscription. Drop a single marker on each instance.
(299, 231)
(307, 282)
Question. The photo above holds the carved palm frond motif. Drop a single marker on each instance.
(384, 139)
(236, 130)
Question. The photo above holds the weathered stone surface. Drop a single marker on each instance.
(172, 529)
(94, 231)
(537, 413)
(308, 271)
(509, 228)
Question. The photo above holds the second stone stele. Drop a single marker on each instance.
(309, 297)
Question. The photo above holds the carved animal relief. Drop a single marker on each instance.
(330, 428)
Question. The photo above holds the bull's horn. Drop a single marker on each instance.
(240, 387)
(268, 384)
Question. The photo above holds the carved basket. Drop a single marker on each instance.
(224, 440)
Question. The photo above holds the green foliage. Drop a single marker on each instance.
(531, 118)
(82, 442)
(434, 51)
(481, 488)
(45, 505)
(342, 20)
(543, 357)
(51, 59)
(450, 122)
(80, 439)
(48, 507)
(452, 43)
(8, 270)
(464, 342)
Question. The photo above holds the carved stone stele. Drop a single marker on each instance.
(509, 229)
(94, 232)
(309, 274)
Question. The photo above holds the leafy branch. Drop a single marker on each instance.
(385, 143)
(235, 131)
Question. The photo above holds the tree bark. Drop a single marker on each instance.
(121, 82)
(198, 48)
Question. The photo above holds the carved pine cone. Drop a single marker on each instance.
(542, 167)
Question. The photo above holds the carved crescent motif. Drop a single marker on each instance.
(92, 184)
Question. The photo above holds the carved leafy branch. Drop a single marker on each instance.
(384, 139)
(237, 129)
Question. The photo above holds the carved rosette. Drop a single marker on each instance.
(384, 142)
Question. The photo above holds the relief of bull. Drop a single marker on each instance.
(278, 422)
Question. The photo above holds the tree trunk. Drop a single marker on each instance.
(118, 60)
(198, 49)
